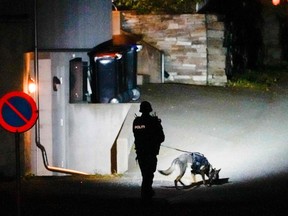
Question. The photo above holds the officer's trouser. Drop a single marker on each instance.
(147, 165)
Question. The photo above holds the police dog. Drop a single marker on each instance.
(199, 165)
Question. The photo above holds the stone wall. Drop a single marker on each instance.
(216, 52)
(184, 39)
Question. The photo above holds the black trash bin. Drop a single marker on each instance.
(131, 71)
(131, 67)
(105, 77)
(78, 80)
(128, 72)
(114, 73)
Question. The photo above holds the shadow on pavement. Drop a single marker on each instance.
(84, 196)
(199, 183)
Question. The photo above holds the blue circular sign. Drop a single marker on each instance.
(18, 112)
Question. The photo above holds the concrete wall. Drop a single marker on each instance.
(63, 24)
(125, 140)
(183, 39)
(53, 106)
(150, 64)
(80, 137)
(93, 130)
(66, 24)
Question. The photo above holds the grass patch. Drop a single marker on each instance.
(244, 83)
(261, 79)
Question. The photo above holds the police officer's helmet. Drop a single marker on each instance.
(145, 107)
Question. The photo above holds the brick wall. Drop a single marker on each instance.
(184, 39)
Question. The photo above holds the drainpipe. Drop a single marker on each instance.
(37, 125)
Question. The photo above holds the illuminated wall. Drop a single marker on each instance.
(78, 136)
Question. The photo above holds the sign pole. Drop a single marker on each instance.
(18, 113)
(18, 172)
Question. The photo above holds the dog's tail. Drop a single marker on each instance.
(170, 169)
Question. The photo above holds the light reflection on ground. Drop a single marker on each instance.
(242, 132)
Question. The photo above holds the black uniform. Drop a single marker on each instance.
(148, 133)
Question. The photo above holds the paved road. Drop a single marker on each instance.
(90, 196)
(242, 132)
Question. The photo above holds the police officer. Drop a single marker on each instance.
(149, 135)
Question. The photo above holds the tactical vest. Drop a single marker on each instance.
(148, 133)
(198, 160)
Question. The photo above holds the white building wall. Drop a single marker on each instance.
(76, 136)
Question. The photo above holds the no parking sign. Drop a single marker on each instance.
(18, 112)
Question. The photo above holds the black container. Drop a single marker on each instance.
(78, 80)
(106, 77)
(114, 73)
(131, 67)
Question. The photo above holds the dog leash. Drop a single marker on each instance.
(176, 149)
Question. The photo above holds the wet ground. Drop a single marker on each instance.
(243, 132)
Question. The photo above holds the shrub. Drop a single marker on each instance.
(158, 7)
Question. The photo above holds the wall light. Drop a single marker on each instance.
(31, 85)
(56, 83)
(275, 2)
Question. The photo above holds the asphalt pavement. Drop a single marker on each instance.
(241, 131)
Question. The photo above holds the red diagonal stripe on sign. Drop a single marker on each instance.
(17, 112)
